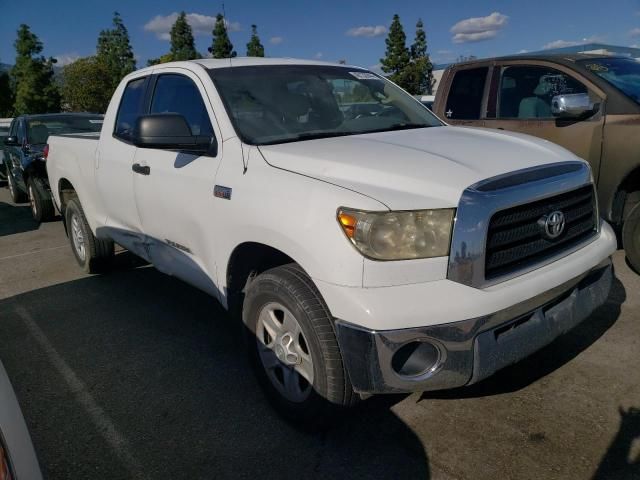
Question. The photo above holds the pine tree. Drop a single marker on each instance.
(32, 76)
(420, 71)
(221, 46)
(397, 55)
(254, 47)
(115, 52)
(182, 43)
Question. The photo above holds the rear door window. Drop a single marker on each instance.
(526, 91)
(131, 107)
(465, 96)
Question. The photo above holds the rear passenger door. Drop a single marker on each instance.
(465, 105)
(174, 194)
(521, 101)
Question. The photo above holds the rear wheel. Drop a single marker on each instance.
(40, 200)
(16, 195)
(293, 347)
(92, 254)
(631, 237)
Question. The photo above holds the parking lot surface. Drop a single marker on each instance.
(133, 374)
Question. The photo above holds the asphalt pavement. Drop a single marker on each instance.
(134, 374)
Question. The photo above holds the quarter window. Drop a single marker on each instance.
(131, 107)
(178, 94)
(526, 91)
(465, 97)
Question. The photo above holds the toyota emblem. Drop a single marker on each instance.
(554, 224)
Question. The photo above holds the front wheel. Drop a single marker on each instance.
(40, 200)
(16, 195)
(631, 237)
(91, 253)
(293, 347)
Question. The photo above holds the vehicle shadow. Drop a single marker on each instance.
(137, 375)
(621, 461)
(547, 360)
(16, 219)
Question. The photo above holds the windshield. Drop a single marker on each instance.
(286, 103)
(622, 73)
(39, 129)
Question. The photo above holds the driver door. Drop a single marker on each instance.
(174, 189)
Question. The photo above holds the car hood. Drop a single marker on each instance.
(413, 169)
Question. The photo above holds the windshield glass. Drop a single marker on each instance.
(39, 129)
(286, 103)
(622, 73)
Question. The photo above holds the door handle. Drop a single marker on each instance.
(142, 170)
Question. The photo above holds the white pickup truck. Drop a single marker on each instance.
(368, 246)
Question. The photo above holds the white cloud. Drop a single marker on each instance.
(377, 68)
(524, 51)
(367, 31)
(200, 24)
(318, 56)
(477, 29)
(574, 43)
(634, 33)
(66, 58)
(276, 40)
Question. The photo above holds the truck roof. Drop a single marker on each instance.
(211, 63)
(563, 59)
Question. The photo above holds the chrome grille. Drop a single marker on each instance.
(516, 239)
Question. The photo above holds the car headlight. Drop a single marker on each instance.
(401, 235)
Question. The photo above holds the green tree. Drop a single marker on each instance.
(420, 71)
(254, 47)
(6, 95)
(167, 57)
(115, 52)
(221, 46)
(86, 86)
(32, 76)
(182, 43)
(397, 55)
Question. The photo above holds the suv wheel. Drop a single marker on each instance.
(631, 237)
(91, 253)
(40, 200)
(293, 347)
(16, 195)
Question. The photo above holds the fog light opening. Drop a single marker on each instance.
(415, 359)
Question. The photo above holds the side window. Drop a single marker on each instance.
(178, 94)
(20, 132)
(131, 107)
(465, 96)
(526, 91)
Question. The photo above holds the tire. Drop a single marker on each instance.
(40, 200)
(16, 195)
(631, 237)
(300, 343)
(93, 254)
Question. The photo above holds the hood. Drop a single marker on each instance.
(413, 169)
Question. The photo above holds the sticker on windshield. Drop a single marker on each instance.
(364, 75)
(597, 67)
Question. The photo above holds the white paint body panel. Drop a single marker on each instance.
(288, 197)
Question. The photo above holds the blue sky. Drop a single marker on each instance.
(328, 29)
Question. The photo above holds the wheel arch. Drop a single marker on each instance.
(630, 184)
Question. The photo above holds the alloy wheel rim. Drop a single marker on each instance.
(284, 352)
(77, 235)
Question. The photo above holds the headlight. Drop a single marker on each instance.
(399, 235)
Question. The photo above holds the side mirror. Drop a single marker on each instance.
(168, 131)
(574, 105)
(11, 141)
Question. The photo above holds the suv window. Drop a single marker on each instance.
(20, 132)
(178, 94)
(131, 107)
(526, 91)
(465, 97)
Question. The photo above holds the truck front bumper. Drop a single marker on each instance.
(465, 352)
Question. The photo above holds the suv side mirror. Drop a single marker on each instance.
(574, 105)
(11, 141)
(168, 131)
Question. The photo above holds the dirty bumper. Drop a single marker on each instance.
(461, 353)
